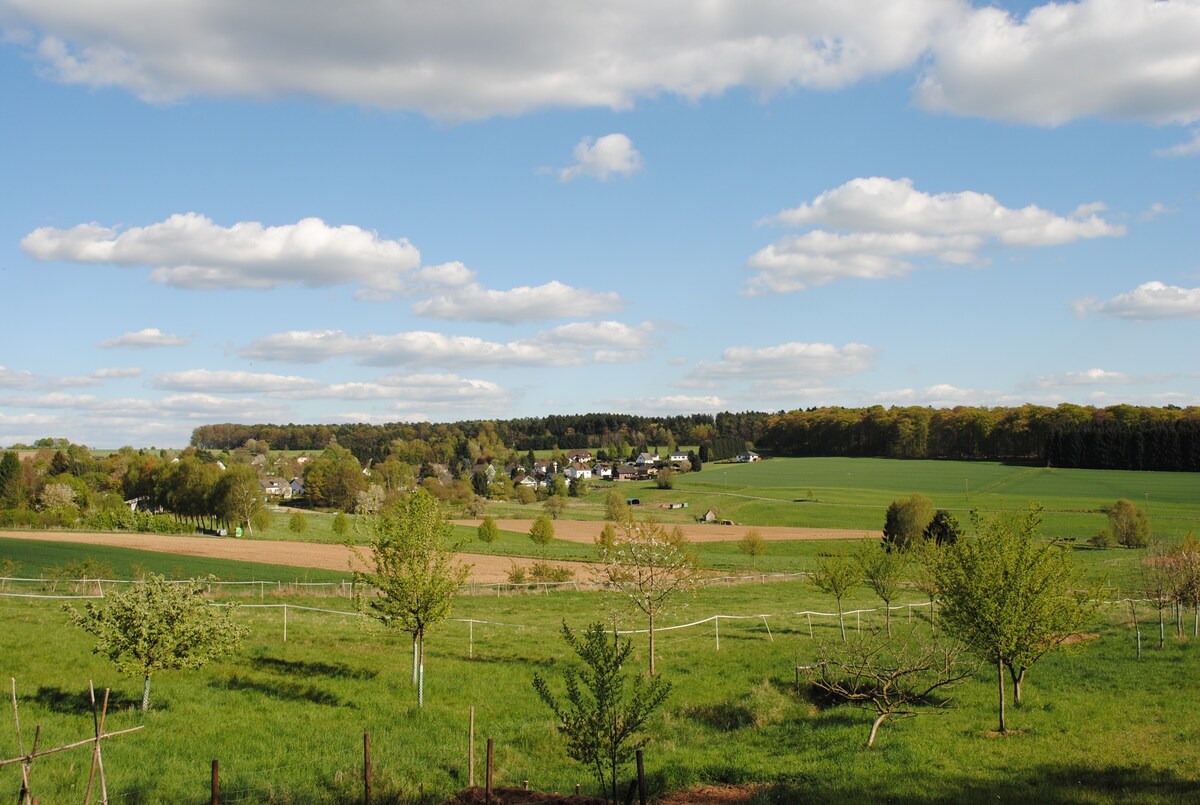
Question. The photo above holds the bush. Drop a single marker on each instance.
(1102, 539)
(487, 531)
(341, 523)
(298, 523)
(546, 572)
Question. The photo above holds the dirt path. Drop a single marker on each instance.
(586, 531)
(484, 569)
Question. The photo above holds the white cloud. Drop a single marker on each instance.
(889, 223)
(675, 404)
(1156, 209)
(458, 59)
(96, 378)
(1150, 300)
(1089, 377)
(569, 345)
(791, 361)
(602, 158)
(16, 380)
(216, 382)
(190, 251)
(1124, 59)
(148, 338)
(553, 300)
(1186, 149)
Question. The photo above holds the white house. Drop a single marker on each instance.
(578, 471)
(646, 458)
(748, 456)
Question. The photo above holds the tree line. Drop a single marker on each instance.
(1070, 436)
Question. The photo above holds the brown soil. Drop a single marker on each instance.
(701, 795)
(485, 569)
(587, 530)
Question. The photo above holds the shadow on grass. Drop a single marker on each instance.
(289, 691)
(79, 702)
(335, 670)
(723, 716)
(1048, 783)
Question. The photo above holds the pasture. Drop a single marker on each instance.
(286, 719)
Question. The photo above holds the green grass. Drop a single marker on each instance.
(286, 719)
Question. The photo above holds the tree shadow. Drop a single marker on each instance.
(79, 702)
(722, 716)
(302, 668)
(290, 691)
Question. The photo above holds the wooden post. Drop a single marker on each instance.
(717, 630)
(366, 768)
(770, 636)
(487, 791)
(471, 752)
(285, 623)
(641, 773)
(810, 633)
(216, 783)
(471, 641)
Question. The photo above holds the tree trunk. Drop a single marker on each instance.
(887, 616)
(146, 695)
(841, 621)
(1018, 676)
(1162, 629)
(875, 729)
(652, 671)
(421, 675)
(932, 623)
(414, 676)
(1000, 676)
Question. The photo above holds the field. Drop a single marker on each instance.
(286, 719)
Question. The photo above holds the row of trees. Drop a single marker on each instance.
(1115, 437)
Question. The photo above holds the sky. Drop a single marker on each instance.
(313, 212)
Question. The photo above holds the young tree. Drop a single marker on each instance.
(882, 571)
(487, 531)
(665, 478)
(341, 523)
(600, 718)
(836, 575)
(1010, 595)
(906, 520)
(891, 677)
(158, 626)
(650, 567)
(541, 533)
(298, 523)
(615, 507)
(554, 506)
(1129, 524)
(943, 529)
(752, 544)
(415, 576)
(1156, 583)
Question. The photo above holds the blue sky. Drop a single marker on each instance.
(309, 212)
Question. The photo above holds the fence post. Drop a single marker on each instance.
(471, 751)
(285, 623)
(366, 768)
(717, 630)
(216, 783)
(487, 791)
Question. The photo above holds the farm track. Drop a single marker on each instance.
(485, 568)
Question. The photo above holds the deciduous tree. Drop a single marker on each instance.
(836, 575)
(906, 520)
(1010, 595)
(157, 626)
(649, 566)
(415, 576)
(1129, 524)
(882, 570)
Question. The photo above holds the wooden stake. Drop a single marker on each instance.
(471, 752)
(487, 791)
(216, 783)
(641, 780)
(285, 623)
(366, 768)
(717, 630)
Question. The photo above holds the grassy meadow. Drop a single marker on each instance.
(286, 719)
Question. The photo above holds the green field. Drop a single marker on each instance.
(285, 720)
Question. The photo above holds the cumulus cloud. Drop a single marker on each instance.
(563, 346)
(1089, 377)
(888, 223)
(97, 377)
(1124, 59)
(458, 59)
(1148, 301)
(190, 251)
(147, 338)
(612, 154)
(15, 380)
(215, 382)
(793, 361)
(1185, 149)
(671, 404)
(553, 300)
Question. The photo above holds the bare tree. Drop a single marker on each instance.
(892, 677)
(649, 566)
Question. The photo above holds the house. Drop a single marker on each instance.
(603, 470)
(577, 471)
(644, 459)
(627, 472)
(709, 516)
(747, 457)
(297, 486)
(582, 456)
(275, 487)
(678, 457)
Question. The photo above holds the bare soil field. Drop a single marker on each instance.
(586, 531)
(485, 569)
